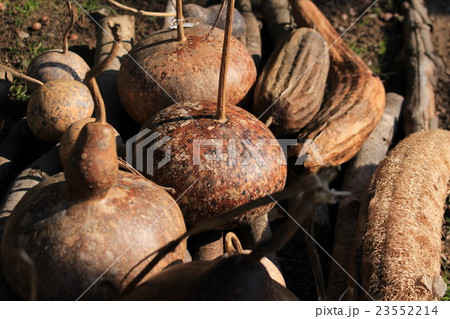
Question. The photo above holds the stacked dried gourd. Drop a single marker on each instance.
(82, 233)
(187, 64)
(63, 238)
(85, 232)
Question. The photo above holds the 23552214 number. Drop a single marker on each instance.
(406, 311)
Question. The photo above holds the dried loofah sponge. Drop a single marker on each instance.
(401, 245)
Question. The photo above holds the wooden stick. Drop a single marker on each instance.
(20, 75)
(142, 12)
(222, 100)
(421, 69)
(180, 21)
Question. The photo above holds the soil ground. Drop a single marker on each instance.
(376, 37)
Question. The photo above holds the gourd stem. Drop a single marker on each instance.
(141, 12)
(99, 68)
(20, 75)
(98, 102)
(180, 21)
(73, 20)
(221, 100)
(222, 5)
(232, 244)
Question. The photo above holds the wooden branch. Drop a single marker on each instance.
(357, 175)
(421, 69)
(142, 12)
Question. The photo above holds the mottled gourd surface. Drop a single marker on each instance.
(73, 242)
(161, 71)
(57, 104)
(244, 161)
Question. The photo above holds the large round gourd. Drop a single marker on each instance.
(161, 71)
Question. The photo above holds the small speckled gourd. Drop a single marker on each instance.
(55, 105)
(58, 64)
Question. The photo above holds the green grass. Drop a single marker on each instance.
(18, 91)
(90, 5)
(22, 9)
(357, 49)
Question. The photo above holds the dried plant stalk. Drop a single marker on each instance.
(401, 242)
(421, 69)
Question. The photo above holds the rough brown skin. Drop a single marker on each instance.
(355, 102)
(291, 86)
(222, 279)
(56, 65)
(208, 16)
(220, 186)
(57, 104)
(71, 134)
(186, 70)
(401, 225)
